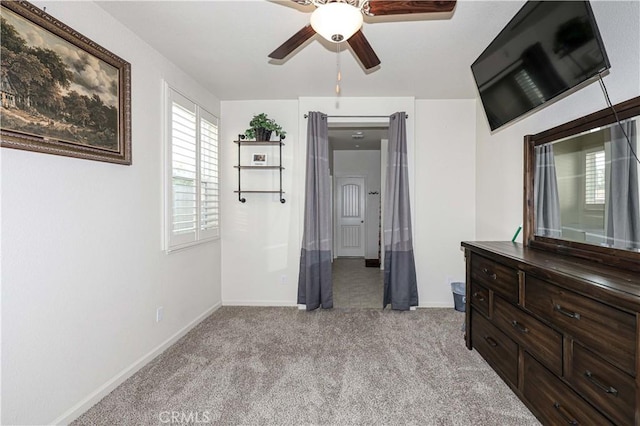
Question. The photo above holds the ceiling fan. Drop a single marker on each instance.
(340, 20)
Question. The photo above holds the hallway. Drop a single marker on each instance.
(356, 286)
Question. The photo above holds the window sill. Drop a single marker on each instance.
(190, 245)
(594, 207)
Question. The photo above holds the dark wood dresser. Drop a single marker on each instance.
(561, 331)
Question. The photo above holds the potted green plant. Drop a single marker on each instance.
(261, 127)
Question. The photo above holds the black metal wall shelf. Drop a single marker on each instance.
(258, 167)
(241, 142)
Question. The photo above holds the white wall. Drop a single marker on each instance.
(500, 155)
(445, 195)
(367, 164)
(261, 238)
(83, 268)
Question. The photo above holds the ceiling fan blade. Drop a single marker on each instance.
(363, 50)
(401, 7)
(293, 43)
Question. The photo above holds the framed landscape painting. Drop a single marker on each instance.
(60, 92)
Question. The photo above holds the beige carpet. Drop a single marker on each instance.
(282, 366)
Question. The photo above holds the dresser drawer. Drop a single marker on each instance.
(539, 339)
(495, 347)
(608, 331)
(480, 298)
(603, 385)
(495, 276)
(553, 401)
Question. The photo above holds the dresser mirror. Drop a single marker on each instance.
(582, 187)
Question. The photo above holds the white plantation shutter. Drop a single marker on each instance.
(209, 223)
(528, 86)
(192, 210)
(595, 178)
(183, 179)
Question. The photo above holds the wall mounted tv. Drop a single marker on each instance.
(547, 49)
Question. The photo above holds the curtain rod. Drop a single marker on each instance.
(354, 116)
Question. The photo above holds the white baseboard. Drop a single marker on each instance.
(82, 406)
(282, 303)
(279, 303)
(265, 303)
(436, 305)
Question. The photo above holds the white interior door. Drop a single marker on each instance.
(350, 214)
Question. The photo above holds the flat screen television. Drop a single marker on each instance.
(547, 49)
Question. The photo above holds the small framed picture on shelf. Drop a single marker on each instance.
(259, 159)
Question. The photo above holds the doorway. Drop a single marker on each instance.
(349, 216)
(356, 164)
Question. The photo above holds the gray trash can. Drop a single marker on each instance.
(459, 298)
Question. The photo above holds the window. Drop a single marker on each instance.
(192, 173)
(529, 88)
(595, 178)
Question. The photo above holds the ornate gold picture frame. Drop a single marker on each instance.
(61, 93)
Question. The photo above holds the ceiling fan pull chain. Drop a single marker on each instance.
(339, 75)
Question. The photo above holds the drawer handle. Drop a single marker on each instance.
(566, 313)
(478, 296)
(491, 341)
(563, 413)
(521, 328)
(490, 274)
(607, 389)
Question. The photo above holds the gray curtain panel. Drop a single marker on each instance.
(315, 288)
(400, 284)
(545, 193)
(623, 212)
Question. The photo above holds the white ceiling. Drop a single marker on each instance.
(224, 46)
(368, 137)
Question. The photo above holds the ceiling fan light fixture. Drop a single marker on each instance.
(336, 21)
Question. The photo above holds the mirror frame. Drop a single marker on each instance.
(605, 255)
